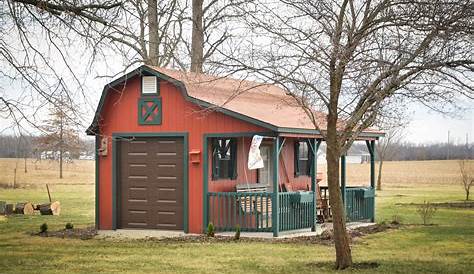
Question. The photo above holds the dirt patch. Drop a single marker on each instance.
(75, 233)
(326, 238)
(457, 205)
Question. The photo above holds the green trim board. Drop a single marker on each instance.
(97, 159)
(115, 170)
(315, 143)
(153, 109)
(118, 135)
(343, 178)
(371, 148)
(145, 70)
(275, 197)
(205, 160)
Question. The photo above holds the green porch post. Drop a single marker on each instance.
(371, 147)
(372, 177)
(343, 178)
(372, 164)
(314, 173)
(275, 198)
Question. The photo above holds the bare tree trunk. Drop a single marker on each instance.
(197, 43)
(341, 240)
(61, 146)
(26, 169)
(379, 177)
(14, 177)
(152, 33)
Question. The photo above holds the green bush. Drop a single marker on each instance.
(43, 228)
(237, 233)
(69, 226)
(210, 230)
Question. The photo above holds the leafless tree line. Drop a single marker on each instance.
(30, 146)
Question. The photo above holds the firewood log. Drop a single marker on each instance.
(8, 209)
(25, 208)
(2, 207)
(53, 208)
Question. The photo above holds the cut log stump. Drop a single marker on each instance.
(8, 209)
(53, 208)
(25, 208)
(2, 207)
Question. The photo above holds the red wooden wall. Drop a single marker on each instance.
(119, 114)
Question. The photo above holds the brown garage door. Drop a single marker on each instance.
(151, 183)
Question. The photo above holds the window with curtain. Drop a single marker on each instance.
(303, 158)
(224, 158)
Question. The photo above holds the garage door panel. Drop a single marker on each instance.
(152, 183)
(168, 195)
(137, 195)
(167, 219)
(138, 169)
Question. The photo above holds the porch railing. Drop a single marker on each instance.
(296, 210)
(359, 203)
(252, 211)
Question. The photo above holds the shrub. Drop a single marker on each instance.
(69, 226)
(396, 220)
(43, 228)
(237, 233)
(426, 212)
(210, 230)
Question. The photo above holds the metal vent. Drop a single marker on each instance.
(149, 85)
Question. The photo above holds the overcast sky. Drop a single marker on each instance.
(429, 127)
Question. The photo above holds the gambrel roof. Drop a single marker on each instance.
(265, 105)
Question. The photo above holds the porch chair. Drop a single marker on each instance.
(323, 208)
(261, 206)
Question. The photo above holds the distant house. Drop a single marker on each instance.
(172, 154)
(54, 155)
(354, 156)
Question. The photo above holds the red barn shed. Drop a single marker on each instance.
(172, 150)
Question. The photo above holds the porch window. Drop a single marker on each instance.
(224, 158)
(303, 158)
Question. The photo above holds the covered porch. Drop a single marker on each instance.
(283, 196)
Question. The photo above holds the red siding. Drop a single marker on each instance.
(120, 115)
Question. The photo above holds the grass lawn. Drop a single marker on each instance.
(446, 247)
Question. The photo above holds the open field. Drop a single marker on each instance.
(45, 171)
(446, 247)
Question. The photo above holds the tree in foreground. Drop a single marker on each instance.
(354, 60)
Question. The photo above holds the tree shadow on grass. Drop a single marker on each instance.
(330, 265)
